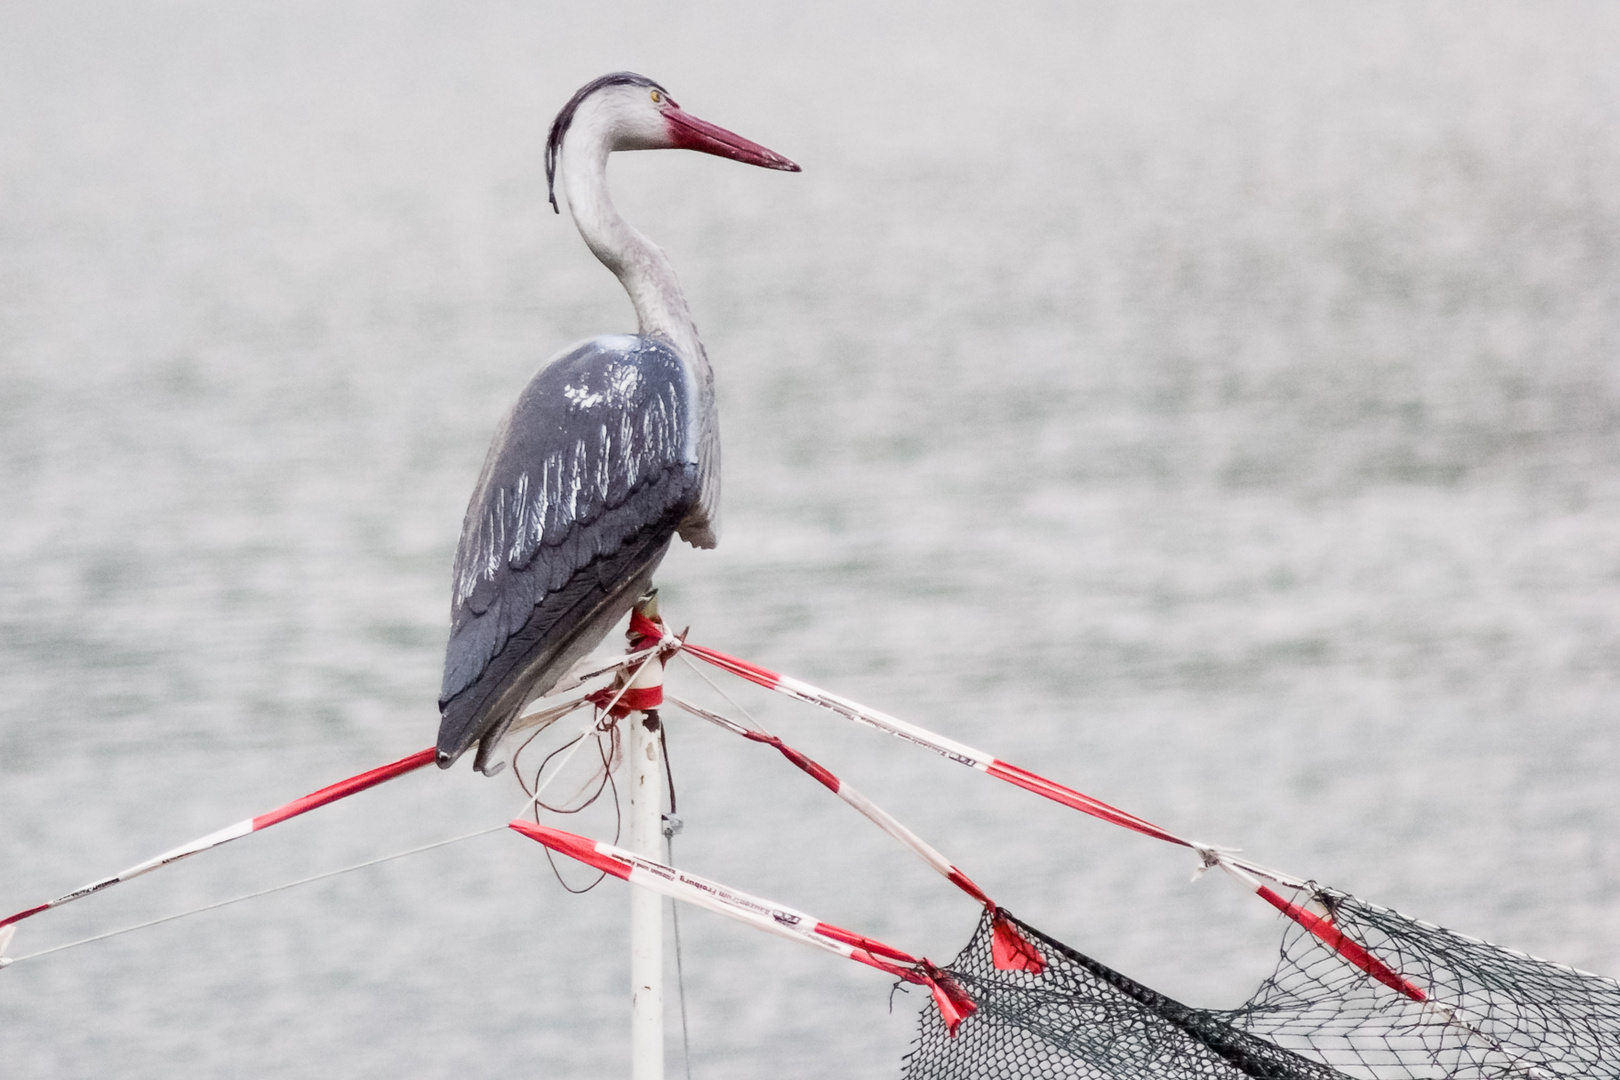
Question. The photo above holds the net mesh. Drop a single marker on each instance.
(1490, 1013)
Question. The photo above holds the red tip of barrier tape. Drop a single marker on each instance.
(952, 1001)
(963, 882)
(1040, 785)
(575, 847)
(861, 941)
(21, 915)
(1339, 942)
(1011, 950)
(741, 668)
(344, 788)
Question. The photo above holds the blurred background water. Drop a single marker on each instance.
(1214, 407)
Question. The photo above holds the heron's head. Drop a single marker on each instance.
(626, 111)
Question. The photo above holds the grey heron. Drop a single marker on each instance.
(611, 449)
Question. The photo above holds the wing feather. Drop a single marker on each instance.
(586, 480)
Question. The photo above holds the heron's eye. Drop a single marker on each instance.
(658, 99)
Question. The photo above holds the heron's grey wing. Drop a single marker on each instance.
(586, 481)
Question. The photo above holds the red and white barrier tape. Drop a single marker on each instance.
(627, 694)
(549, 710)
(314, 800)
(578, 741)
(939, 744)
(966, 755)
(1321, 926)
(954, 1004)
(1010, 949)
(1242, 870)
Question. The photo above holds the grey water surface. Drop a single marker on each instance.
(1211, 406)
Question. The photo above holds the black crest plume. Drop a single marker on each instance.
(559, 126)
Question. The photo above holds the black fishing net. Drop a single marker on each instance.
(1488, 1012)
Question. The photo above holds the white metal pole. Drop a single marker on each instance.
(646, 907)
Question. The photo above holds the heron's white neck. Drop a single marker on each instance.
(641, 265)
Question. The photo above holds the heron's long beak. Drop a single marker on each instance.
(687, 132)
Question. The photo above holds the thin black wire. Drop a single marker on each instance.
(669, 773)
(607, 755)
(606, 725)
(517, 769)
